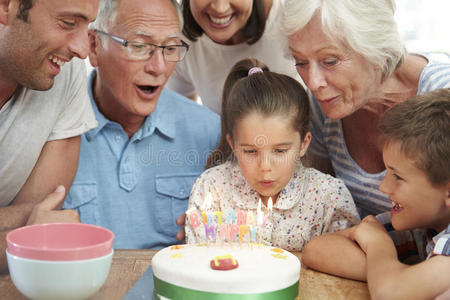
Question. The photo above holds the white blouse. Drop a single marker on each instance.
(311, 204)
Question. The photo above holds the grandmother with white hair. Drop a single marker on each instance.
(350, 56)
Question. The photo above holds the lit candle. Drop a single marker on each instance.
(259, 219)
(269, 206)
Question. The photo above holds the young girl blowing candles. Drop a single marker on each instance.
(264, 134)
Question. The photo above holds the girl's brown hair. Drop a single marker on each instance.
(252, 31)
(267, 93)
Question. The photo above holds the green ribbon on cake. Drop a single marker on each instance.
(175, 292)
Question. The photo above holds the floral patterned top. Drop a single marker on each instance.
(311, 204)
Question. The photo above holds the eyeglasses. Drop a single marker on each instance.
(143, 51)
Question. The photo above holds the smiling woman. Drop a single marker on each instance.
(227, 22)
(222, 33)
(356, 67)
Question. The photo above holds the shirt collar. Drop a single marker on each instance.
(437, 236)
(160, 119)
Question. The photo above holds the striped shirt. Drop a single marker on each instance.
(441, 243)
(328, 142)
(416, 245)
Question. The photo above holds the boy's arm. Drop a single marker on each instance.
(444, 296)
(335, 253)
(388, 278)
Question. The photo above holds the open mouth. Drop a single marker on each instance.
(267, 183)
(56, 60)
(220, 21)
(148, 89)
(396, 207)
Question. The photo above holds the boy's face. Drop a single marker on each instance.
(416, 202)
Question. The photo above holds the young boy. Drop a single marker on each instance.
(415, 139)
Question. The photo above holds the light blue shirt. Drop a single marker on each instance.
(138, 186)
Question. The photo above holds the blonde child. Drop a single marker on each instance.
(414, 136)
(264, 134)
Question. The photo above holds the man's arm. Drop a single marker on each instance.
(57, 165)
(335, 253)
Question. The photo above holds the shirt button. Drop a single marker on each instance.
(117, 138)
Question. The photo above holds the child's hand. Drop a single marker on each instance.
(369, 231)
(181, 221)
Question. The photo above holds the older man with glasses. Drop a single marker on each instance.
(137, 167)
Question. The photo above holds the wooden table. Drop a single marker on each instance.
(128, 266)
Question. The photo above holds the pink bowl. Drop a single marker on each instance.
(60, 241)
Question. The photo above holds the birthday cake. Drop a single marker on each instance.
(225, 271)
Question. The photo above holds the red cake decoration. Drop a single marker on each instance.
(224, 263)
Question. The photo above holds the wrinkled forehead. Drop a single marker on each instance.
(157, 19)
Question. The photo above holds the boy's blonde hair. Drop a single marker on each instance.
(421, 127)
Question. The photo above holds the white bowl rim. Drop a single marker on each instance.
(59, 261)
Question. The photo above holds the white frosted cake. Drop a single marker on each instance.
(194, 271)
